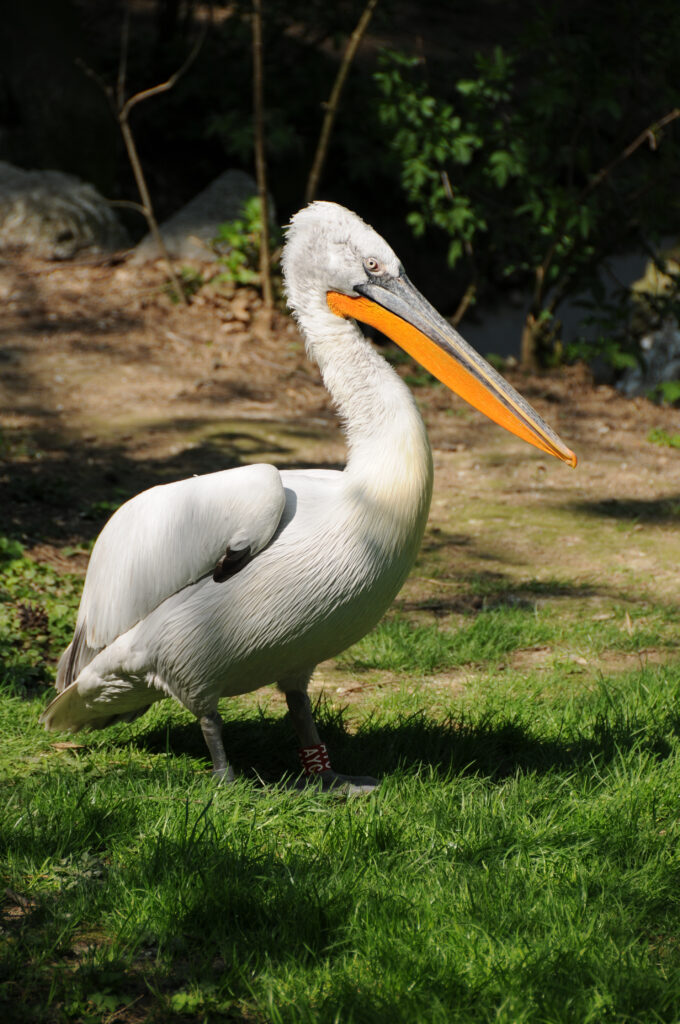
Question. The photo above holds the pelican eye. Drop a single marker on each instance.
(371, 264)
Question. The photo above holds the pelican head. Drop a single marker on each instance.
(329, 247)
(334, 263)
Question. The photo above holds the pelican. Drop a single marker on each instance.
(220, 584)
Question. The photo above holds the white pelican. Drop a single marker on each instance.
(223, 583)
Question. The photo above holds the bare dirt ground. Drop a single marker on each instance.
(108, 388)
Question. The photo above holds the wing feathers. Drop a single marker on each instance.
(162, 541)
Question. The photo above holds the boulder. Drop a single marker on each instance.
(189, 234)
(55, 215)
(659, 361)
(659, 345)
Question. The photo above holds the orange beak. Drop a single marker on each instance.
(395, 307)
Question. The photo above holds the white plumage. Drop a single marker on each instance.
(313, 558)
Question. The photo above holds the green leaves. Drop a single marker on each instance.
(37, 612)
(523, 163)
(239, 242)
(433, 138)
(503, 165)
(667, 392)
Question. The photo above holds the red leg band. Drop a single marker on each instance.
(314, 759)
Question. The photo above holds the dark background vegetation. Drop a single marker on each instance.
(474, 135)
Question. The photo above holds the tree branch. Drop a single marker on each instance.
(260, 158)
(154, 90)
(648, 135)
(127, 204)
(334, 101)
(462, 308)
(121, 107)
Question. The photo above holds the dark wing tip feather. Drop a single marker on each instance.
(74, 658)
(229, 564)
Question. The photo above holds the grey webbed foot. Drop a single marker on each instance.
(344, 785)
(353, 785)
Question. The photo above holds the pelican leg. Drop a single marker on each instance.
(211, 727)
(300, 711)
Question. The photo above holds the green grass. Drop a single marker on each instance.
(402, 646)
(519, 863)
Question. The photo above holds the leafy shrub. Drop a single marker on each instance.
(527, 164)
(239, 243)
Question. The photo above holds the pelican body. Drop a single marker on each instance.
(220, 584)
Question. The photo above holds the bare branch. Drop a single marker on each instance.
(98, 80)
(648, 135)
(334, 101)
(260, 159)
(127, 204)
(147, 205)
(121, 108)
(122, 63)
(464, 304)
(154, 90)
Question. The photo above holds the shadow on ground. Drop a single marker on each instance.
(664, 510)
(466, 593)
(495, 746)
(57, 493)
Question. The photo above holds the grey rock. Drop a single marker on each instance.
(189, 233)
(55, 215)
(659, 361)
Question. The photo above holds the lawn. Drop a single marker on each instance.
(519, 862)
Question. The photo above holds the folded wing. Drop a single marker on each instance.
(165, 539)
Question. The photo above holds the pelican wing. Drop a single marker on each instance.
(165, 539)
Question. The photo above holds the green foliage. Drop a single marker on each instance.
(458, 155)
(431, 139)
(505, 161)
(667, 392)
(238, 241)
(101, 510)
(662, 437)
(191, 281)
(608, 319)
(37, 612)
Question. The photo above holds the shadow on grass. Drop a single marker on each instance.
(644, 510)
(478, 591)
(494, 746)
